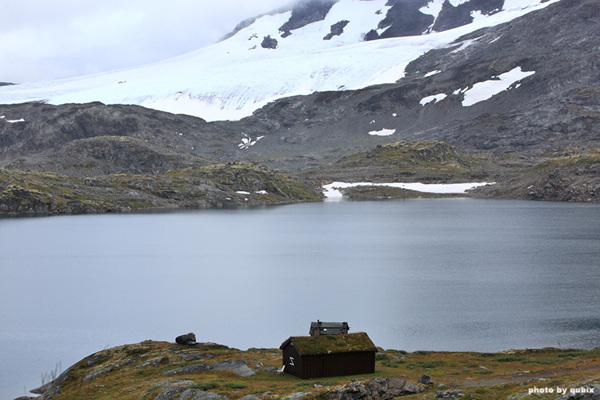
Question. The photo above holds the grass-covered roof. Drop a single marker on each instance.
(326, 344)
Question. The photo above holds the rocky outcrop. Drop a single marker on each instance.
(405, 17)
(375, 389)
(451, 16)
(269, 43)
(306, 12)
(336, 29)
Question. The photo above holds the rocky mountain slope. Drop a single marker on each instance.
(302, 49)
(516, 103)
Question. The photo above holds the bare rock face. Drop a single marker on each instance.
(305, 13)
(269, 43)
(406, 19)
(336, 29)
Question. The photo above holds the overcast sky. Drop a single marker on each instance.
(50, 39)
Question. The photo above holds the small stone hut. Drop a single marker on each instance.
(329, 355)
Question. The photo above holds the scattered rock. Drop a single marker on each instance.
(583, 393)
(238, 367)
(449, 394)
(94, 375)
(189, 339)
(151, 363)
(296, 396)
(190, 369)
(377, 388)
(180, 393)
(106, 370)
(425, 380)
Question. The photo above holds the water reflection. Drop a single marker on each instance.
(453, 274)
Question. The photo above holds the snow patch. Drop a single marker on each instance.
(484, 90)
(457, 3)
(383, 132)
(332, 190)
(435, 98)
(248, 142)
(494, 40)
(14, 121)
(464, 45)
(427, 75)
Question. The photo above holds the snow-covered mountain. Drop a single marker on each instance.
(320, 45)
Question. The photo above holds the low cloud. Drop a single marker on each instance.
(42, 40)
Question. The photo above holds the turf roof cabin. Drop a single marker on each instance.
(329, 355)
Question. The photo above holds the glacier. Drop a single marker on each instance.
(231, 79)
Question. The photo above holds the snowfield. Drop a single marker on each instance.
(231, 79)
(332, 191)
(484, 90)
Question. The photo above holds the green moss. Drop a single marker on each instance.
(426, 154)
(426, 364)
(351, 342)
(510, 358)
(206, 386)
(235, 385)
(572, 158)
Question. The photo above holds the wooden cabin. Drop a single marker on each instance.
(328, 328)
(329, 355)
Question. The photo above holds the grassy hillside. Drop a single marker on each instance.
(162, 370)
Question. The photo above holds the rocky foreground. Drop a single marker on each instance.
(208, 371)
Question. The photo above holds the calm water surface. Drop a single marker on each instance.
(455, 274)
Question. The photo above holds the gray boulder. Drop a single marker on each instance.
(189, 339)
(451, 394)
(388, 388)
(182, 393)
(238, 367)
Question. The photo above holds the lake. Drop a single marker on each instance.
(427, 274)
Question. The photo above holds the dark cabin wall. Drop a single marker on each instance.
(335, 364)
(292, 361)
